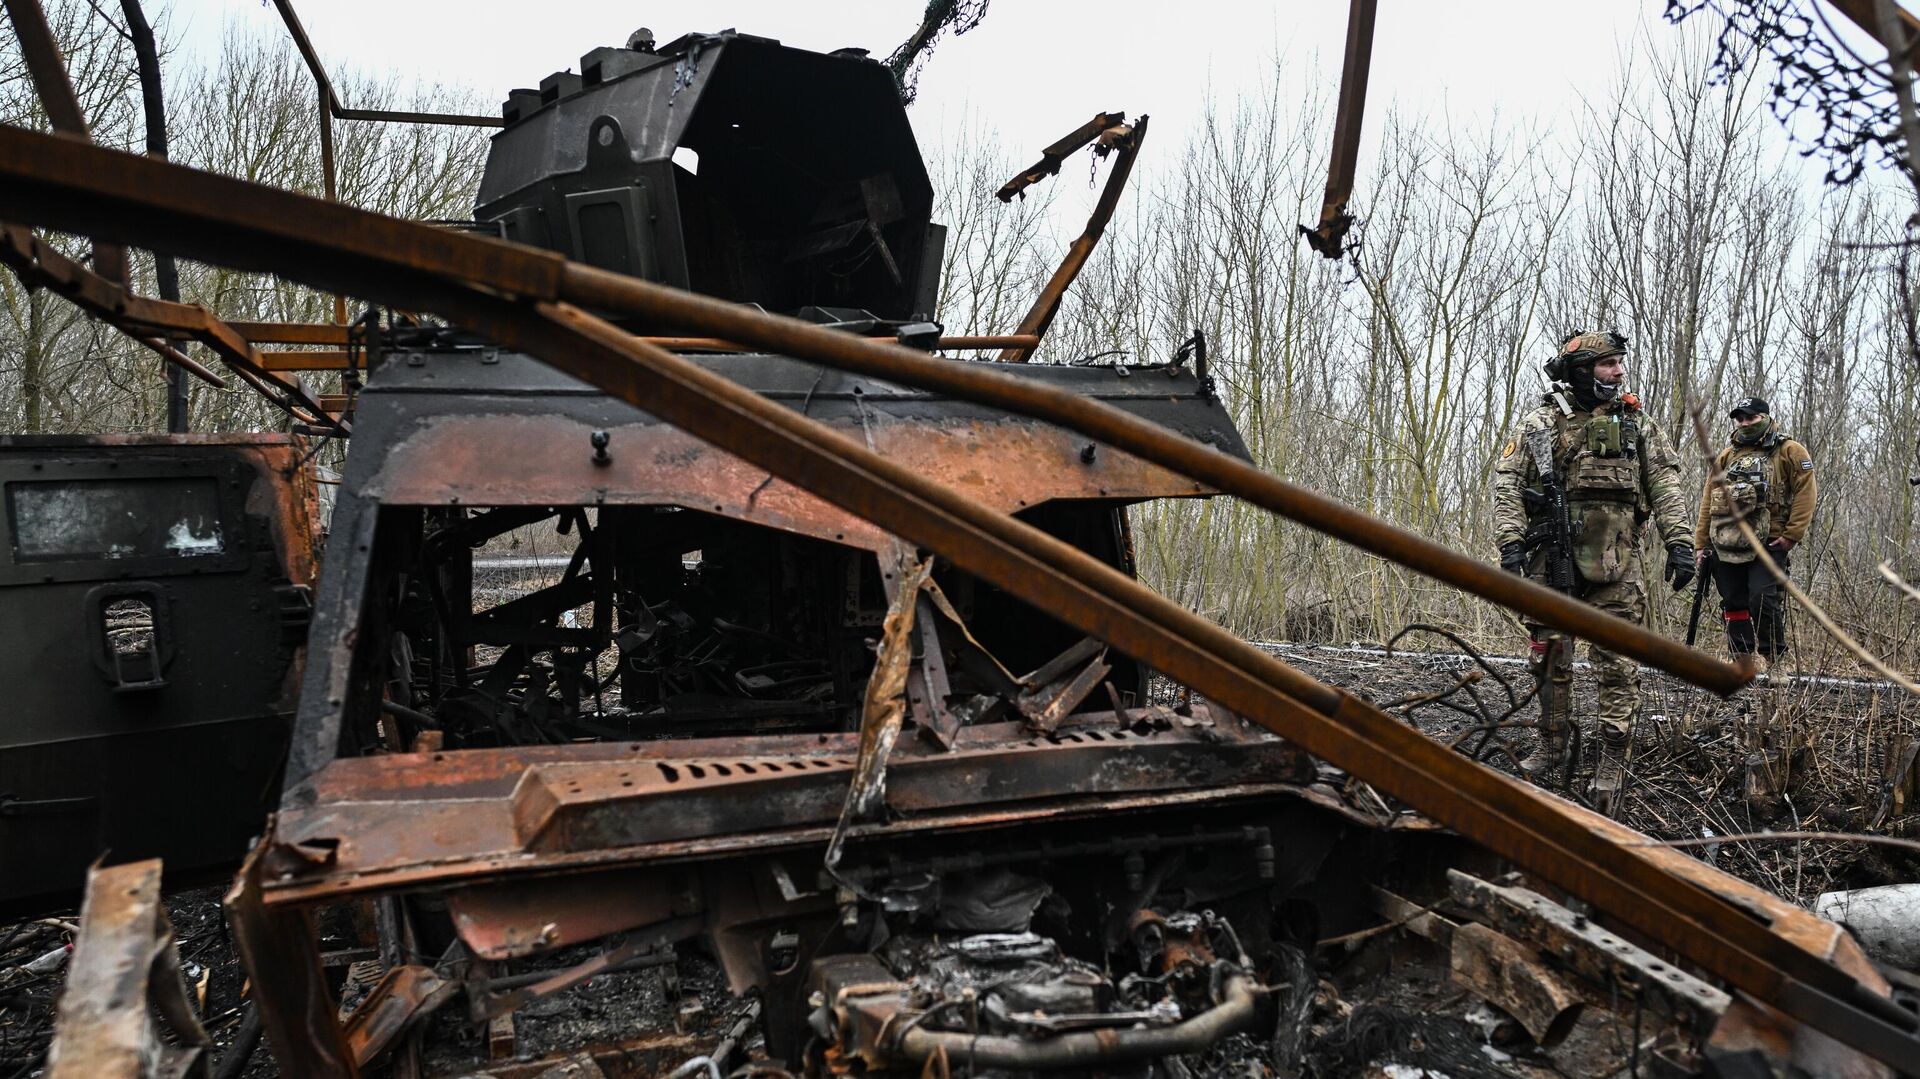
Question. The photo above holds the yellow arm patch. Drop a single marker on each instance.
(1512, 444)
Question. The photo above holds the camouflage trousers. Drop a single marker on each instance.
(1618, 676)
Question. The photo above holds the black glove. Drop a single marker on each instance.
(1680, 568)
(1513, 558)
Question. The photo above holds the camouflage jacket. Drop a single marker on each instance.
(1610, 495)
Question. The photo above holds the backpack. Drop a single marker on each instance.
(1746, 496)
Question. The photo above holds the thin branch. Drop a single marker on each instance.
(1754, 837)
(114, 26)
(1410, 702)
(1886, 570)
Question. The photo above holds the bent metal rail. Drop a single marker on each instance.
(538, 302)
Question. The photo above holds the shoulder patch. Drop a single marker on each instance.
(1513, 444)
(1806, 464)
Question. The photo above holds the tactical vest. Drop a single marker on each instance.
(1600, 458)
(1752, 494)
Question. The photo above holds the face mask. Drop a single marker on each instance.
(1580, 381)
(1605, 391)
(1751, 432)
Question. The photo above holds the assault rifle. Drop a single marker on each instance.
(1553, 521)
(1700, 587)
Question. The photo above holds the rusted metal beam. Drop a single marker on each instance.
(1329, 236)
(1865, 14)
(336, 359)
(147, 320)
(1601, 957)
(1124, 143)
(180, 359)
(48, 69)
(959, 343)
(292, 333)
(607, 291)
(125, 971)
(330, 101)
(1053, 156)
(316, 359)
(289, 986)
(247, 226)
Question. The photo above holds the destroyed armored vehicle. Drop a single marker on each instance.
(583, 687)
(156, 592)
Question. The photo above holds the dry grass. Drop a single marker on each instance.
(1690, 761)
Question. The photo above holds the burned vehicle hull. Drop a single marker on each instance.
(156, 591)
(673, 734)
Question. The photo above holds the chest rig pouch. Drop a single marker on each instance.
(1605, 461)
(1603, 490)
(1745, 497)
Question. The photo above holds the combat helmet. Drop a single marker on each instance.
(1572, 366)
(1583, 349)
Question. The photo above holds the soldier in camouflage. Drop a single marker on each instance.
(1767, 482)
(1618, 472)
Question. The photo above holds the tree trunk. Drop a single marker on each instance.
(166, 275)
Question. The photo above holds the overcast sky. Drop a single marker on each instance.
(1033, 69)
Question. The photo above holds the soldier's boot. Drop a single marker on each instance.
(1556, 708)
(1549, 751)
(1770, 627)
(1741, 641)
(1610, 769)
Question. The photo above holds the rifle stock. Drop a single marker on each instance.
(1700, 586)
(1555, 532)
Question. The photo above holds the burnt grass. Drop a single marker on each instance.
(1820, 744)
(1792, 753)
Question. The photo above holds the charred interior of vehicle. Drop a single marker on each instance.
(684, 608)
(690, 686)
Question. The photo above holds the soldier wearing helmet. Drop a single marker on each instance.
(1618, 472)
(1769, 484)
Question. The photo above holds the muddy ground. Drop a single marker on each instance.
(1798, 754)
